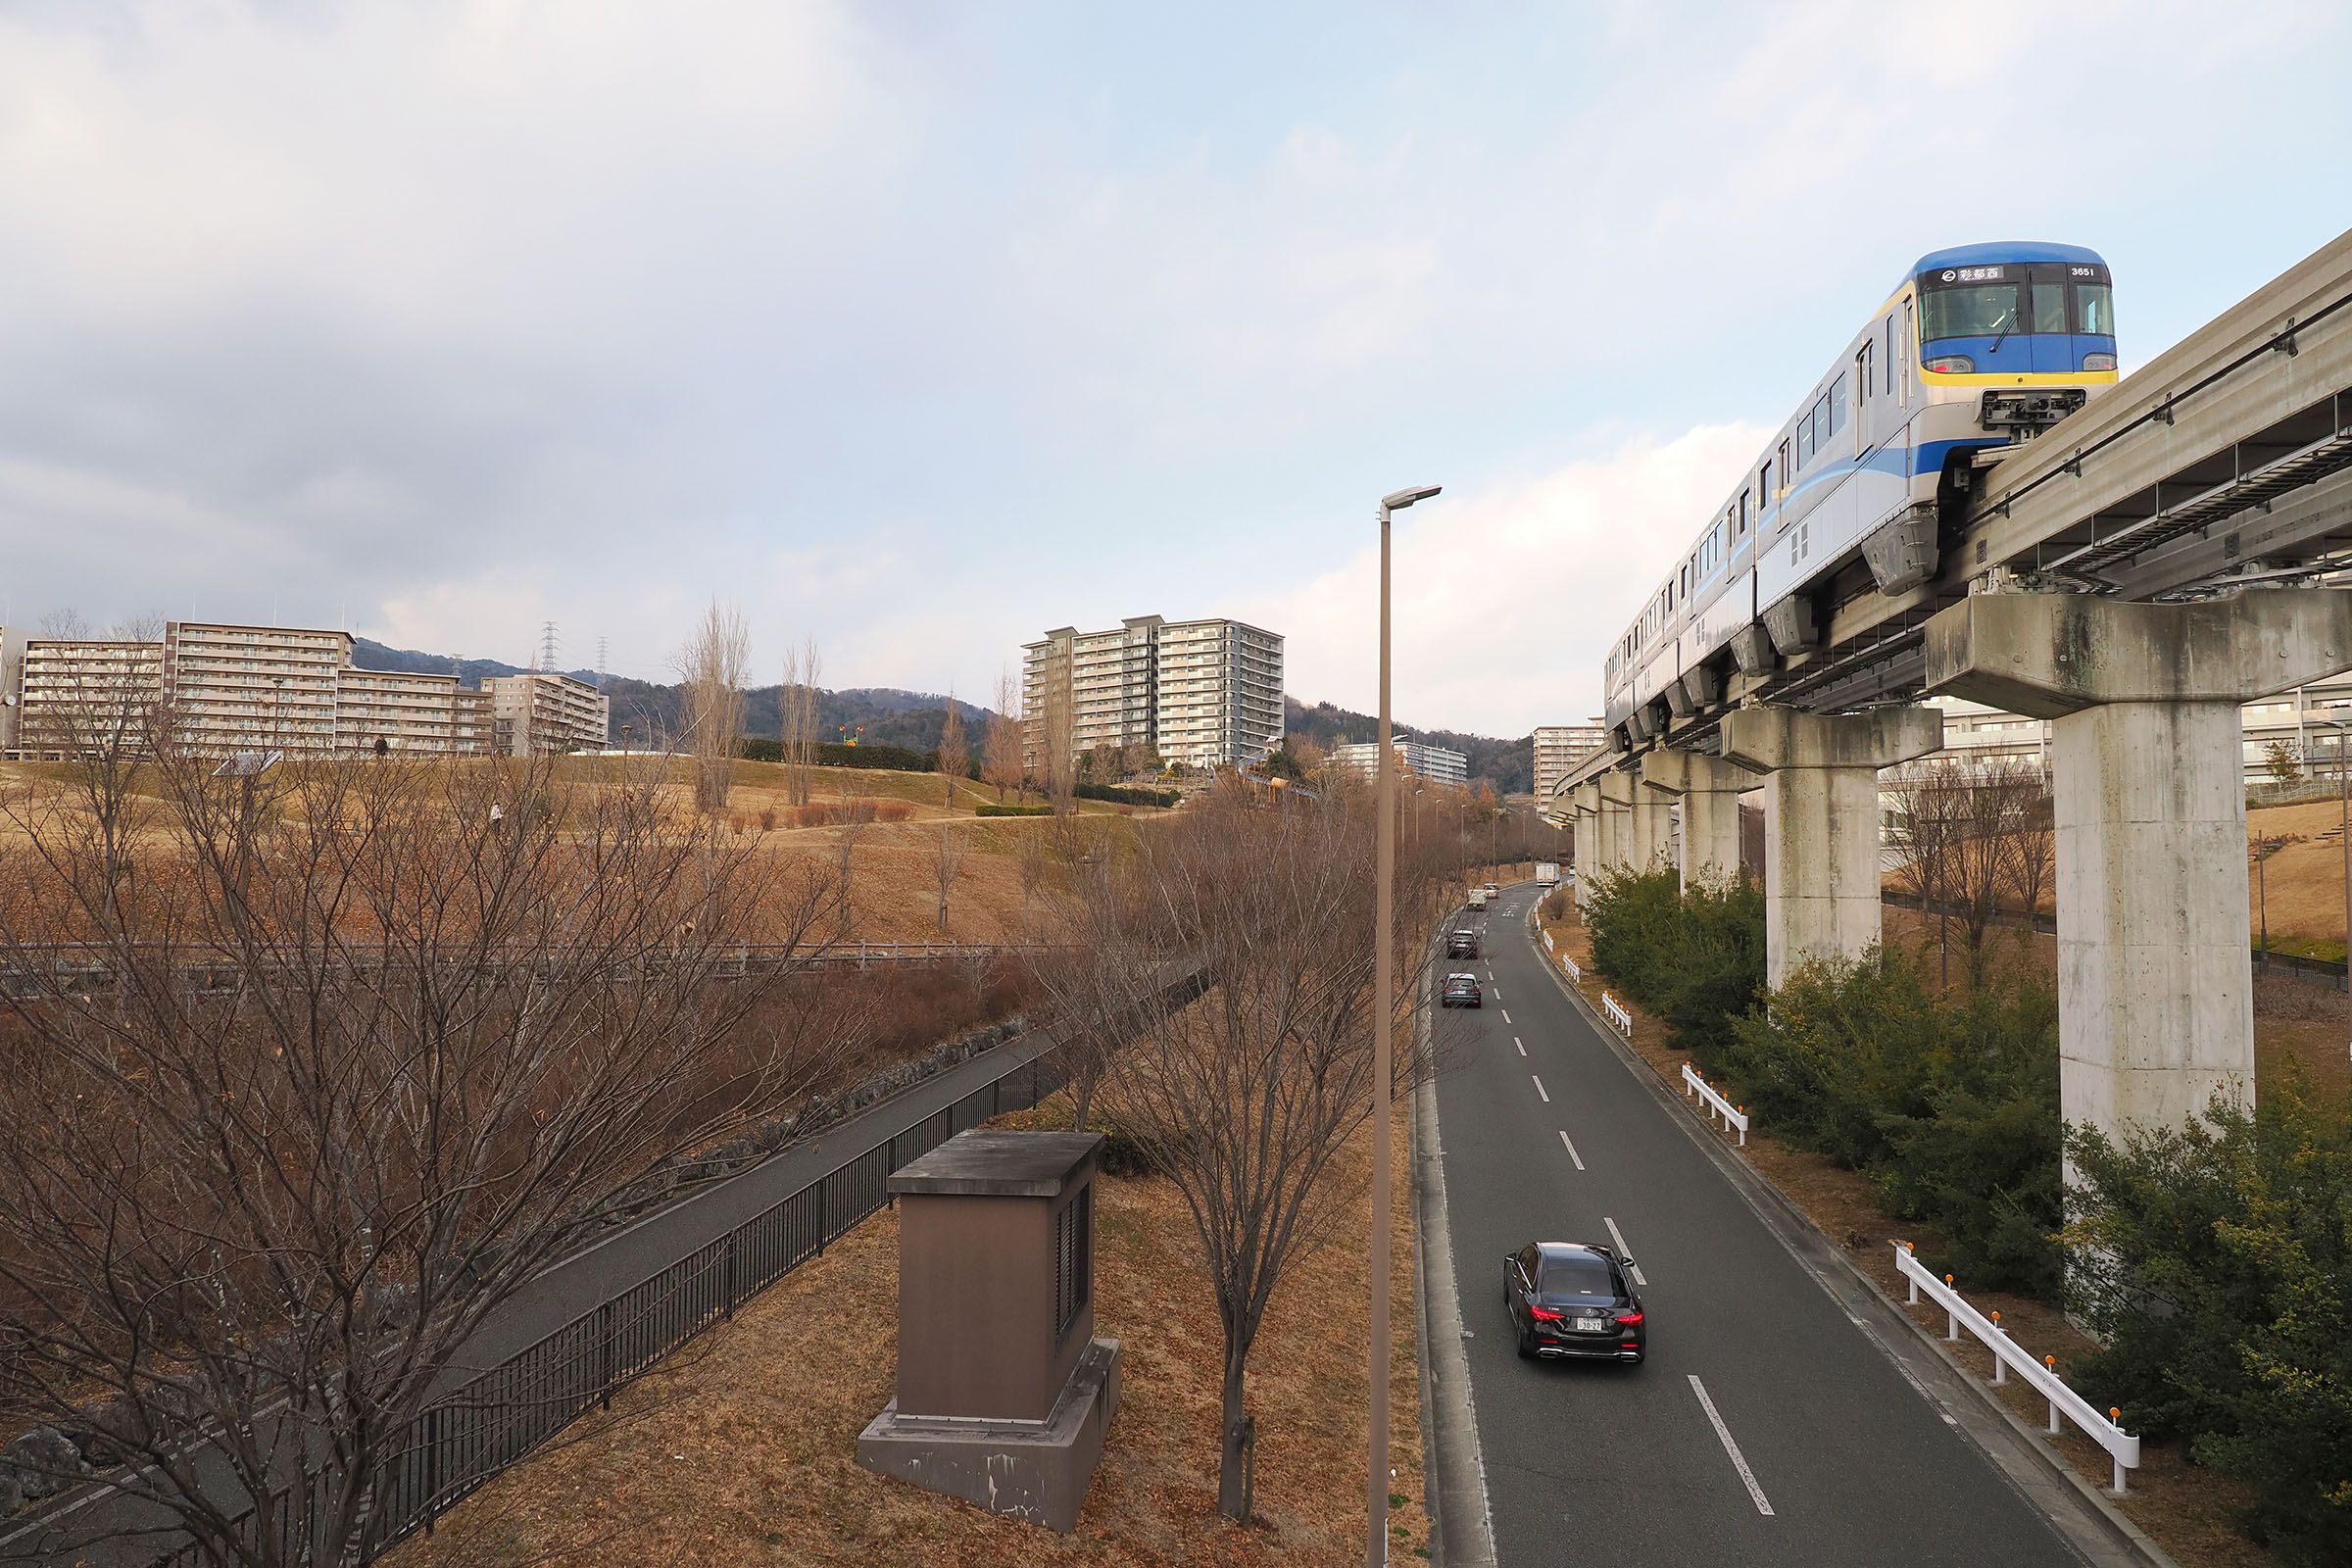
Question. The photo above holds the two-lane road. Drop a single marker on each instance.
(1770, 1423)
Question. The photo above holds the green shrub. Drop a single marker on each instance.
(1696, 959)
(1951, 1109)
(1124, 795)
(990, 809)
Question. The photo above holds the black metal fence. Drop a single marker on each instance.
(2326, 972)
(465, 1439)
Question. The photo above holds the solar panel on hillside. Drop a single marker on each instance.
(248, 764)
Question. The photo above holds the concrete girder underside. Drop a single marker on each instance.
(1709, 788)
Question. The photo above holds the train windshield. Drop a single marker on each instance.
(2000, 301)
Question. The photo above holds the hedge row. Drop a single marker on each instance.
(990, 809)
(1126, 795)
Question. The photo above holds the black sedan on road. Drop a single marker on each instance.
(1573, 1299)
(1461, 991)
(1463, 944)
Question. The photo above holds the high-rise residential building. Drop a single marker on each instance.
(1218, 698)
(244, 688)
(540, 711)
(76, 695)
(1203, 693)
(230, 688)
(1560, 747)
(1437, 763)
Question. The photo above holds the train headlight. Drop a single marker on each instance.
(1949, 365)
(2098, 362)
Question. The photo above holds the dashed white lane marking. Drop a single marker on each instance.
(1540, 1088)
(1572, 1153)
(1506, 1015)
(1516, 1042)
(1747, 1477)
(1618, 1237)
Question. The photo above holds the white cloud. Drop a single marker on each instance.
(1504, 597)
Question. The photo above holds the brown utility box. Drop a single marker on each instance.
(1004, 1391)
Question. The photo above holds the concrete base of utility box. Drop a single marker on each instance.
(1033, 1470)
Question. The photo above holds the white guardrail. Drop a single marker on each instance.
(1549, 944)
(2104, 1430)
(1623, 1019)
(1733, 1116)
(1576, 976)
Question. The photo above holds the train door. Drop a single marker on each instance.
(1863, 367)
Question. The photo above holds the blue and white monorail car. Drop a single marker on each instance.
(1979, 346)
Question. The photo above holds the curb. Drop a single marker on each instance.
(1453, 1475)
(2120, 1529)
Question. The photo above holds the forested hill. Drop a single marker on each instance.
(1508, 766)
(880, 715)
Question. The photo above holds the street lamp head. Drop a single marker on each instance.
(1397, 500)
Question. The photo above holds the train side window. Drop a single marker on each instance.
(1787, 472)
(1834, 407)
(1741, 530)
(1804, 440)
(1862, 366)
(1891, 355)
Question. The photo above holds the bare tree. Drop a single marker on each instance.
(1968, 839)
(797, 701)
(364, 1056)
(946, 865)
(953, 753)
(1245, 1097)
(713, 666)
(1053, 740)
(99, 711)
(1033, 854)
(1004, 766)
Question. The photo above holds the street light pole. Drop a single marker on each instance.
(1384, 980)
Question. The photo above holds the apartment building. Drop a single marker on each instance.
(75, 695)
(235, 688)
(1436, 764)
(539, 712)
(1203, 693)
(244, 688)
(1560, 747)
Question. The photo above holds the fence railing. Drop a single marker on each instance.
(1623, 1019)
(1576, 975)
(1714, 1104)
(2102, 1428)
(465, 1439)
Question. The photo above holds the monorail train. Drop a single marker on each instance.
(1980, 346)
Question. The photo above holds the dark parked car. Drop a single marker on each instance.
(1461, 991)
(1463, 944)
(1573, 1299)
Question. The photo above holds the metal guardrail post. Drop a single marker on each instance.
(726, 1294)
(821, 1183)
(603, 1355)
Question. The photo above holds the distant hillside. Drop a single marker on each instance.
(878, 714)
(1508, 766)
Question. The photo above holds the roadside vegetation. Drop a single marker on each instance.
(2214, 1264)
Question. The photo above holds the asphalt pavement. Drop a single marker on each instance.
(1779, 1417)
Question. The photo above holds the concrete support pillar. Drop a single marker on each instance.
(1653, 829)
(1617, 820)
(1585, 800)
(2155, 1000)
(1822, 861)
(1709, 788)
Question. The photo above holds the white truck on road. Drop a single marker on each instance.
(1477, 897)
(1547, 874)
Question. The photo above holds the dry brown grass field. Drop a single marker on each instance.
(893, 888)
(741, 1449)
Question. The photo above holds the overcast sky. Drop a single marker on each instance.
(922, 328)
